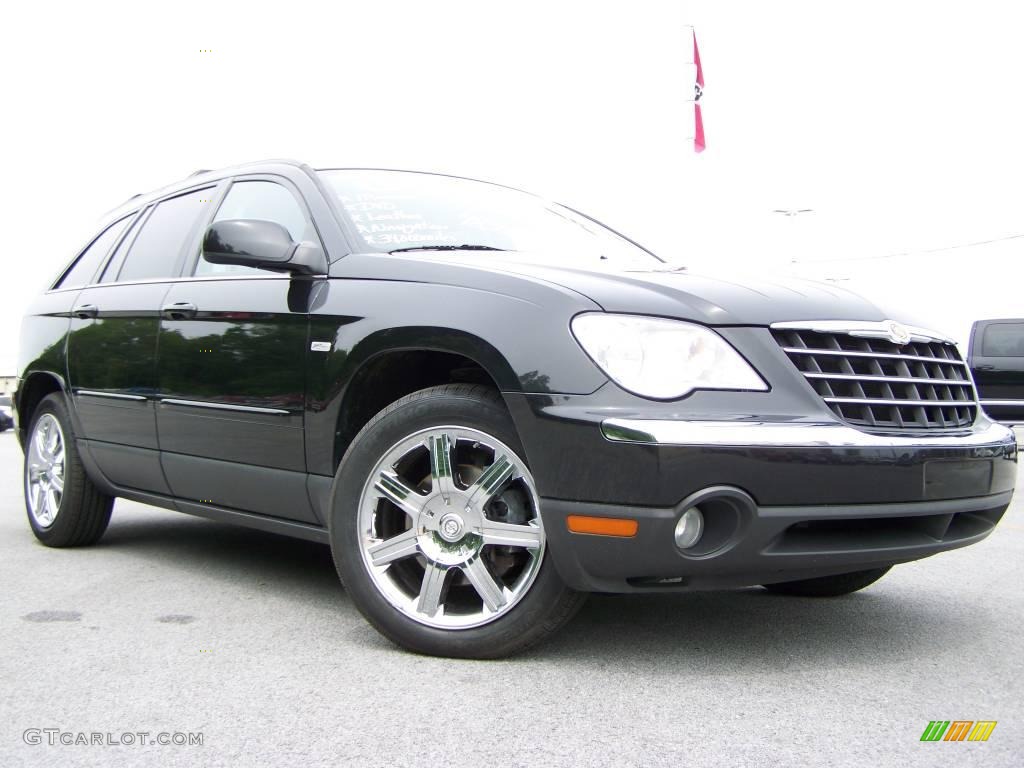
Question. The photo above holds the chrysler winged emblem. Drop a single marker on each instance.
(898, 333)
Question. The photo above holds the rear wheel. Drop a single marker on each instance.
(64, 508)
(436, 529)
(829, 586)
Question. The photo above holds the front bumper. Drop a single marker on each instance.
(762, 544)
(800, 496)
(766, 434)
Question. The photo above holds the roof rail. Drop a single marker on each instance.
(200, 171)
(122, 205)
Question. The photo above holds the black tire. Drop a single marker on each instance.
(829, 586)
(84, 511)
(543, 609)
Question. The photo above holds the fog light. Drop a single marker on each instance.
(689, 528)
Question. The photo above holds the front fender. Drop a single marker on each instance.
(524, 344)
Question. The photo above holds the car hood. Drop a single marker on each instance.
(661, 291)
(712, 299)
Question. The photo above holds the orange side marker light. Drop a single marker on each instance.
(603, 526)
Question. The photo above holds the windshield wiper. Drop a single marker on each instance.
(462, 247)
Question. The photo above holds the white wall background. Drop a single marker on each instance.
(900, 124)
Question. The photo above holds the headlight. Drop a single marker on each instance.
(662, 359)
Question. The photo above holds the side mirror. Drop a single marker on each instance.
(261, 244)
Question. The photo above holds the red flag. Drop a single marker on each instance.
(698, 91)
(698, 137)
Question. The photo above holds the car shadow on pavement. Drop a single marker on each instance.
(752, 628)
(746, 628)
(230, 553)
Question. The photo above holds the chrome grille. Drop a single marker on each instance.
(875, 383)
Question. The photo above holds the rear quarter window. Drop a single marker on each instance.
(1003, 340)
(82, 271)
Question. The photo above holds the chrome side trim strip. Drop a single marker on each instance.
(1005, 403)
(865, 329)
(191, 279)
(222, 406)
(784, 435)
(110, 395)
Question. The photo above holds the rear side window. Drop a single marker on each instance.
(1003, 340)
(90, 259)
(155, 251)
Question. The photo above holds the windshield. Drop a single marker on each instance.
(403, 211)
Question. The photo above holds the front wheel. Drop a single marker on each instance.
(829, 586)
(436, 529)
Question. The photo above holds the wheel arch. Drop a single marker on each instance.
(35, 386)
(393, 363)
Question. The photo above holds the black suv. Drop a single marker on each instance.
(996, 357)
(488, 404)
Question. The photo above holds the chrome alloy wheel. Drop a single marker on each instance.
(449, 527)
(44, 470)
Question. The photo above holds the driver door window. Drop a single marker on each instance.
(260, 200)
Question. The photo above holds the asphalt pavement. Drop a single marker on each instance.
(176, 625)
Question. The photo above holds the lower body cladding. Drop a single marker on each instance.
(763, 502)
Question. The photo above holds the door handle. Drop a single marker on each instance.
(85, 311)
(179, 310)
